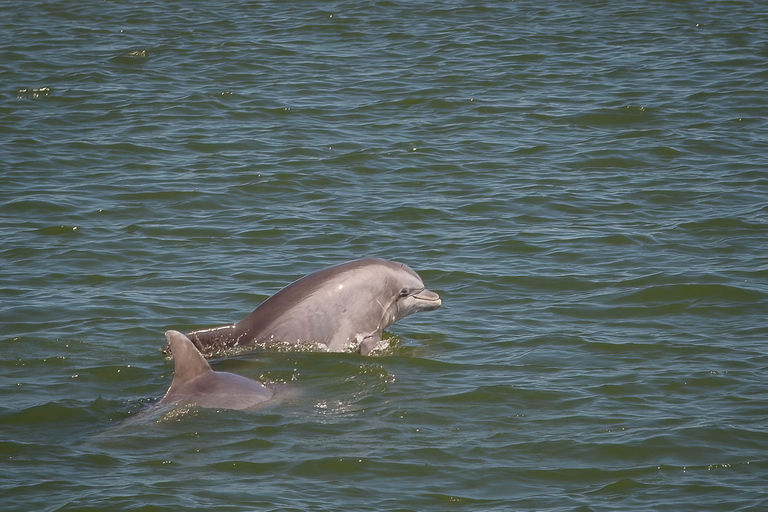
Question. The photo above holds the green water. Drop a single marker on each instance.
(584, 184)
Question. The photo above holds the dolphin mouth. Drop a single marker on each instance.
(429, 300)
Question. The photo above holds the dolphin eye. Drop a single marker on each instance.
(404, 292)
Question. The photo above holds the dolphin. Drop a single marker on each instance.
(195, 382)
(344, 307)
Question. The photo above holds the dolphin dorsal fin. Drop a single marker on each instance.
(188, 363)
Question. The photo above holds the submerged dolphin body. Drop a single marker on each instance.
(343, 307)
(195, 382)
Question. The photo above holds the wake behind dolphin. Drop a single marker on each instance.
(344, 307)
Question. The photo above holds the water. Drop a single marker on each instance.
(584, 183)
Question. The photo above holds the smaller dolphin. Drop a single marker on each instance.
(194, 381)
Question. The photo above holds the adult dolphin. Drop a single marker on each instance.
(195, 382)
(344, 307)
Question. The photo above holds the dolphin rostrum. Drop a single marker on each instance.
(344, 307)
(195, 382)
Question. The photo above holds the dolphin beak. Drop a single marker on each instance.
(428, 299)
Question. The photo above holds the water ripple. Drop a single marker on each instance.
(583, 184)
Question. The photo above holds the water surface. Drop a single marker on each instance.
(584, 184)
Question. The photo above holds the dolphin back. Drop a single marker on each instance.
(194, 380)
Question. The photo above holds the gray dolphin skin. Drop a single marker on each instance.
(195, 382)
(344, 307)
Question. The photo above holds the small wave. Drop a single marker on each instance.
(691, 293)
(725, 226)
